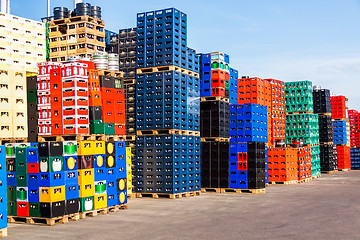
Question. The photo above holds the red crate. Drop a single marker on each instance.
(22, 209)
(120, 129)
(33, 168)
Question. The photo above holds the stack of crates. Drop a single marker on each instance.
(215, 75)
(322, 107)
(13, 104)
(113, 105)
(96, 124)
(354, 118)
(276, 118)
(53, 179)
(86, 151)
(3, 190)
(126, 48)
(302, 125)
(304, 160)
(71, 172)
(234, 88)
(341, 129)
(75, 99)
(32, 118)
(129, 177)
(248, 138)
(283, 165)
(215, 85)
(167, 105)
(44, 79)
(355, 158)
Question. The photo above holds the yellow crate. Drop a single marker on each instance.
(6, 130)
(99, 147)
(86, 148)
(86, 190)
(100, 201)
(6, 116)
(86, 176)
(20, 131)
(52, 194)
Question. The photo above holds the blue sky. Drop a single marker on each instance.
(287, 40)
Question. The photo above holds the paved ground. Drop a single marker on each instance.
(326, 208)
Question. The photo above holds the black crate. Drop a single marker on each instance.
(51, 210)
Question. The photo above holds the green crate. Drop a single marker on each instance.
(118, 83)
(299, 96)
(11, 208)
(31, 96)
(86, 201)
(227, 84)
(21, 180)
(20, 154)
(97, 127)
(109, 128)
(21, 168)
(305, 126)
(56, 164)
(11, 193)
(34, 209)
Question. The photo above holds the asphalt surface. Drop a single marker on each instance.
(325, 208)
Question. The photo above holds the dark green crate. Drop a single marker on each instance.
(97, 127)
(109, 128)
(11, 193)
(58, 164)
(31, 96)
(20, 154)
(21, 180)
(34, 209)
(21, 168)
(83, 202)
(11, 208)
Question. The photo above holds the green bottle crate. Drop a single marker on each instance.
(305, 126)
(109, 128)
(11, 193)
(86, 204)
(227, 84)
(97, 127)
(20, 154)
(315, 161)
(31, 96)
(21, 180)
(34, 209)
(298, 96)
(11, 208)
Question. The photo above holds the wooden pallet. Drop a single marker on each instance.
(214, 98)
(129, 81)
(327, 143)
(243, 191)
(102, 211)
(344, 170)
(304, 180)
(167, 132)
(311, 145)
(303, 112)
(284, 182)
(210, 190)
(167, 68)
(111, 73)
(169, 195)
(329, 172)
(315, 177)
(3, 232)
(80, 137)
(44, 221)
(3, 141)
(215, 139)
(131, 196)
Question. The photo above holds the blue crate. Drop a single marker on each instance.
(11, 179)
(112, 199)
(33, 180)
(32, 155)
(100, 174)
(71, 191)
(71, 177)
(33, 194)
(34, 144)
(111, 174)
(3, 219)
(111, 187)
(53, 179)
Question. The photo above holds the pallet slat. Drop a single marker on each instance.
(168, 195)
